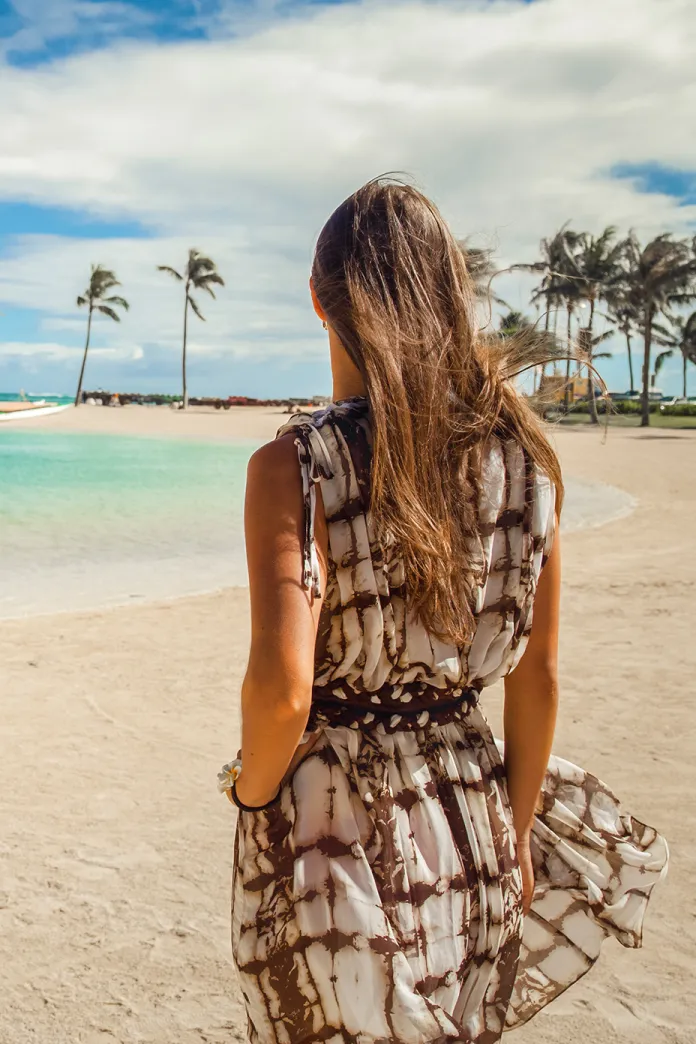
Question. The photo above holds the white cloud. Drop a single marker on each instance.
(54, 352)
(509, 114)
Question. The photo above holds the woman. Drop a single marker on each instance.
(395, 880)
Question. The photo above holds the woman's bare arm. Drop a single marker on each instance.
(531, 700)
(277, 687)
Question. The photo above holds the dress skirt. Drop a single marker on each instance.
(379, 901)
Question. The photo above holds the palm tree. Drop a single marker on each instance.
(659, 360)
(557, 268)
(481, 268)
(659, 275)
(687, 346)
(200, 274)
(570, 297)
(587, 351)
(682, 339)
(598, 272)
(624, 313)
(513, 322)
(101, 281)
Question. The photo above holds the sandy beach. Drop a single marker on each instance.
(116, 850)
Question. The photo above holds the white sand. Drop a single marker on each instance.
(205, 422)
(115, 849)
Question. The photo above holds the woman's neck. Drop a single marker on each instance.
(347, 379)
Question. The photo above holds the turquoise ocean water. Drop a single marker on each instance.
(89, 520)
(97, 520)
(59, 400)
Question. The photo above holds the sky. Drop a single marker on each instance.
(131, 132)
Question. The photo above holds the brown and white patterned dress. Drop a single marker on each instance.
(379, 901)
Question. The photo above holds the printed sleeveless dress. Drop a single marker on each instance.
(379, 901)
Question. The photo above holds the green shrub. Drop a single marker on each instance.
(633, 409)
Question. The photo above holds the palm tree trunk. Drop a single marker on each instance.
(630, 359)
(594, 418)
(183, 354)
(647, 344)
(540, 370)
(78, 394)
(684, 374)
(566, 392)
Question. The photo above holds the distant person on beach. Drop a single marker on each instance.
(397, 877)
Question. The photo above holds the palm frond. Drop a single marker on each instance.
(664, 331)
(101, 280)
(482, 269)
(512, 322)
(688, 339)
(198, 264)
(690, 326)
(202, 281)
(105, 310)
(171, 271)
(529, 346)
(120, 301)
(659, 359)
(195, 308)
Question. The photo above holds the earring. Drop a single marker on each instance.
(325, 324)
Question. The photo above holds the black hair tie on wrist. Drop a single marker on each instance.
(252, 808)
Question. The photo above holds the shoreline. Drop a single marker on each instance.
(154, 600)
(206, 564)
(198, 422)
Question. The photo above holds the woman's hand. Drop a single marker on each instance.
(300, 754)
(524, 857)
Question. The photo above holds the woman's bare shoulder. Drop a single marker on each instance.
(273, 470)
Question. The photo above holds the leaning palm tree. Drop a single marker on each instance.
(660, 275)
(200, 274)
(101, 281)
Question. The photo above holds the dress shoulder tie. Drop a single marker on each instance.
(315, 465)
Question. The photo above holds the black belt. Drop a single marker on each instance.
(469, 695)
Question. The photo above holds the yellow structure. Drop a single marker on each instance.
(554, 386)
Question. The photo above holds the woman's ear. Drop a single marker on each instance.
(315, 301)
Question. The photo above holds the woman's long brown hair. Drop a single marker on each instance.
(394, 285)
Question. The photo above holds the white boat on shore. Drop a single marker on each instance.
(10, 411)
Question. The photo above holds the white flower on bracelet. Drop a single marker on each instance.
(229, 775)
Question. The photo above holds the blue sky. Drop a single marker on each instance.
(131, 132)
(39, 31)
